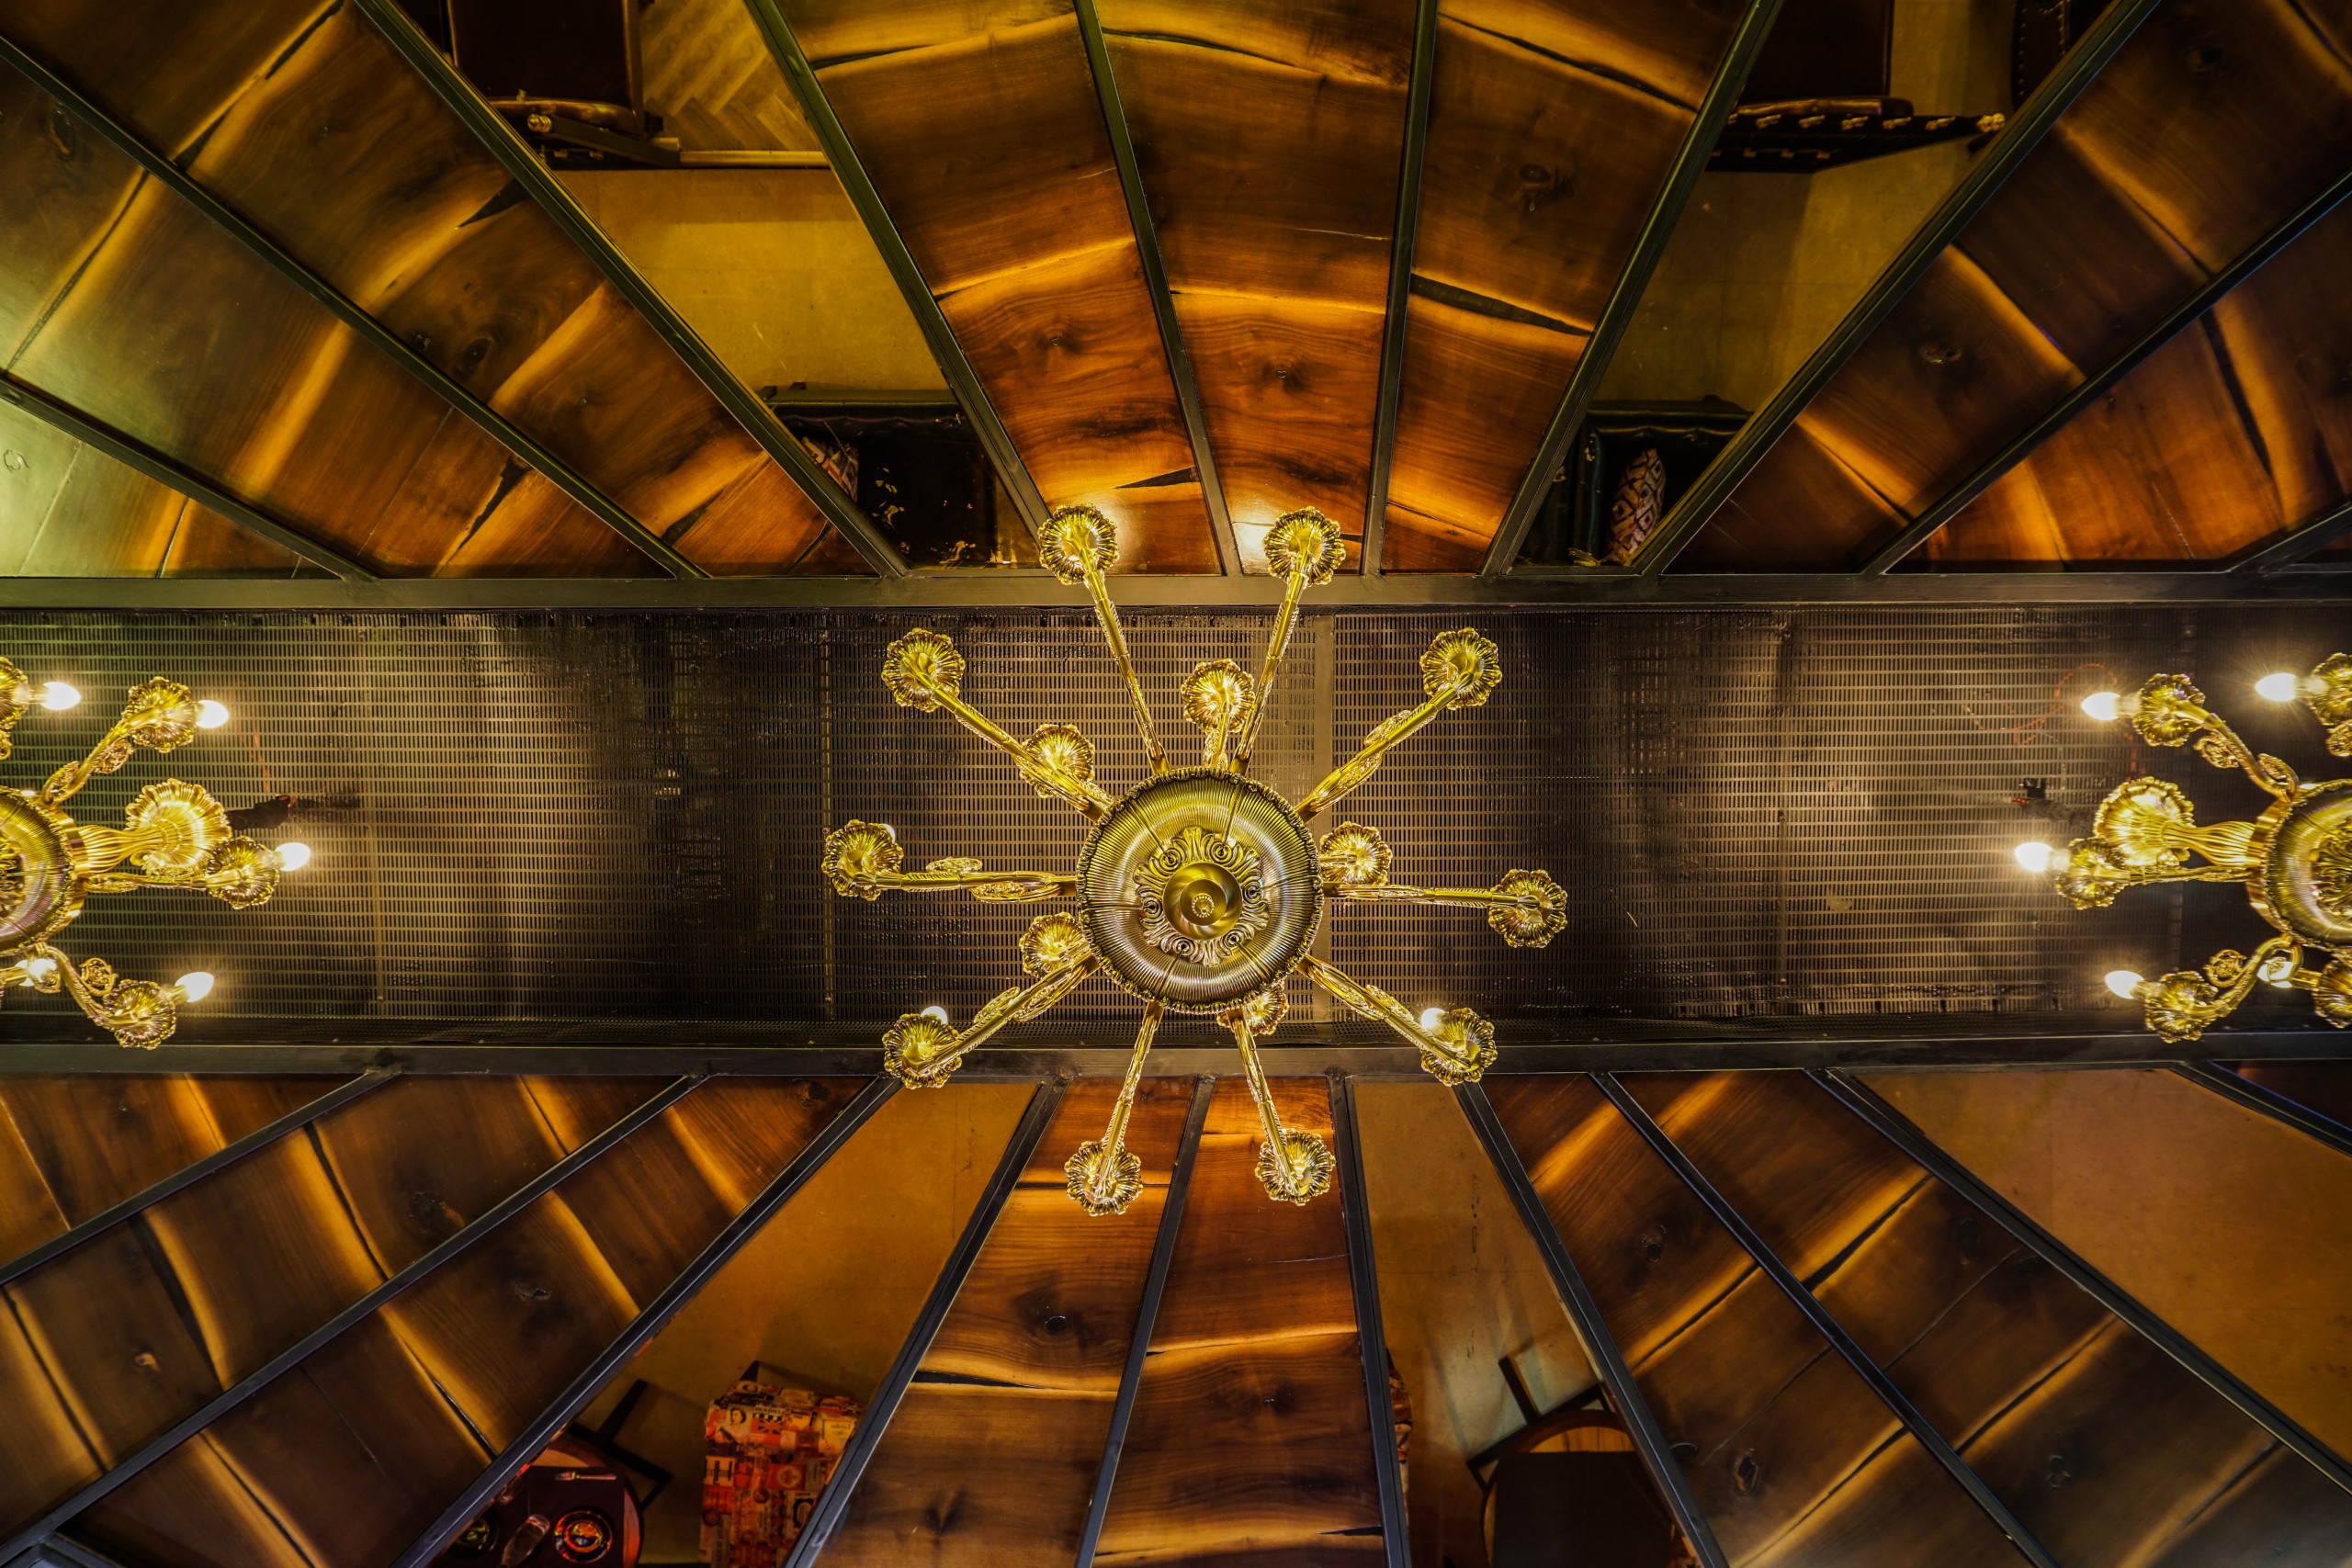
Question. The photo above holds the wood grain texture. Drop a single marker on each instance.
(223, 1500)
(1794, 1459)
(1270, 139)
(990, 1457)
(980, 126)
(95, 1141)
(324, 138)
(2127, 207)
(2102, 1445)
(1551, 128)
(2235, 432)
(1249, 1441)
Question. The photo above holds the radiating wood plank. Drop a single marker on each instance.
(324, 138)
(1270, 138)
(1553, 125)
(990, 1457)
(2277, 1512)
(410, 1193)
(980, 127)
(2125, 208)
(1252, 1394)
(98, 1140)
(195, 1509)
(1793, 1458)
(44, 1452)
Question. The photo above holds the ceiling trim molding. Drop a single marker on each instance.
(1011, 588)
(1155, 282)
(591, 1378)
(1400, 287)
(176, 476)
(2178, 319)
(496, 425)
(2011, 148)
(1011, 471)
(758, 420)
(1769, 1262)
(1898, 1130)
(1625, 295)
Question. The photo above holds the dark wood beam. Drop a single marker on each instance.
(2300, 546)
(1625, 296)
(965, 382)
(1355, 1207)
(1155, 279)
(2097, 385)
(1155, 1286)
(1599, 1345)
(1400, 285)
(1013, 587)
(523, 165)
(656, 1315)
(840, 1488)
(261, 1377)
(1923, 1151)
(174, 475)
(2011, 148)
(1829, 1327)
(496, 425)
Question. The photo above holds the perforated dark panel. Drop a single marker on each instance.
(617, 817)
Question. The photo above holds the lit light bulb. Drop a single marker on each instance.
(210, 714)
(936, 1011)
(2102, 705)
(2279, 687)
(57, 697)
(2034, 856)
(1431, 1018)
(41, 968)
(193, 985)
(293, 857)
(2123, 982)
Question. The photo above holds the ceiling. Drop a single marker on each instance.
(294, 300)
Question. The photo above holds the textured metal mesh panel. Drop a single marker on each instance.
(581, 817)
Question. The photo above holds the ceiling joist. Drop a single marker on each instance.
(2010, 148)
(1400, 282)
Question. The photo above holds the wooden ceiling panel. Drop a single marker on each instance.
(2171, 164)
(1552, 130)
(95, 1141)
(1269, 142)
(329, 142)
(1795, 1459)
(1254, 1391)
(991, 1455)
(1470, 380)
(980, 127)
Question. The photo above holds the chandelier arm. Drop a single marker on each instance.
(138, 1013)
(1103, 1177)
(929, 1067)
(1285, 620)
(1451, 898)
(989, 886)
(160, 715)
(1458, 1052)
(1269, 1116)
(1043, 775)
(1106, 615)
(2182, 1006)
(1391, 731)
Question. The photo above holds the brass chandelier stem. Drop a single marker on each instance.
(1277, 1144)
(1042, 774)
(159, 715)
(1115, 1137)
(1304, 550)
(1457, 671)
(1391, 731)
(1104, 1176)
(1107, 613)
(1454, 898)
(1285, 620)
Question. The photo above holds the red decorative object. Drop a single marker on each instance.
(770, 1451)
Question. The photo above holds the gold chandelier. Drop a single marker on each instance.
(2295, 859)
(1199, 890)
(175, 833)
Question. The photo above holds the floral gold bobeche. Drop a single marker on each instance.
(2295, 859)
(1199, 890)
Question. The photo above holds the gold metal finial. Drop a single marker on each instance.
(2295, 859)
(1199, 890)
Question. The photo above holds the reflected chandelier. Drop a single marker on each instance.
(1200, 889)
(2295, 859)
(173, 833)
